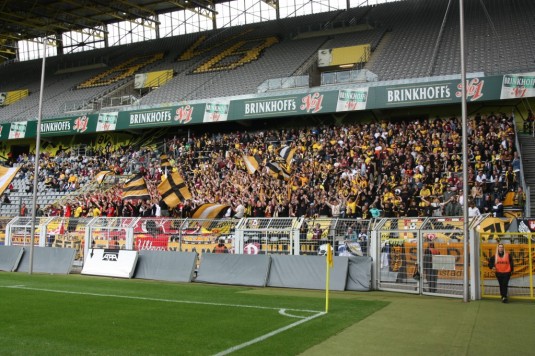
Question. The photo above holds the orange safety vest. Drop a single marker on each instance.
(219, 249)
(502, 264)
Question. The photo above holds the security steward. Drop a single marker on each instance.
(220, 248)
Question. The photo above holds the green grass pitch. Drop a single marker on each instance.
(82, 315)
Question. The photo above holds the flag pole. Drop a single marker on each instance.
(36, 160)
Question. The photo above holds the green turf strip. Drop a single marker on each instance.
(36, 321)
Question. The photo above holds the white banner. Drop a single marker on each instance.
(518, 86)
(352, 99)
(215, 112)
(110, 263)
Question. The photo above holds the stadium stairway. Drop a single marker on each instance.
(527, 150)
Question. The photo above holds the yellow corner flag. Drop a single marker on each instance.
(329, 256)
(329, 265)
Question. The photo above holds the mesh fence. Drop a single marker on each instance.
(186, 235)
(19, 231)
(110, 233)
(267, 236)
(3, 226)
(67, 233)
(421, 255)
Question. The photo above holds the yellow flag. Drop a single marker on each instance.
(329, 256)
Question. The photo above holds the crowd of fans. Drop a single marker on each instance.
(388, 168)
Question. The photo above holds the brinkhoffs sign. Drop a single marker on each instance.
(307, 102)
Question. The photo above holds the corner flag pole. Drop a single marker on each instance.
(328, 266)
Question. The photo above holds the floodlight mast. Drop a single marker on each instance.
(466, 242)
(36, 160)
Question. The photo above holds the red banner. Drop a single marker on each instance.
(152, 243)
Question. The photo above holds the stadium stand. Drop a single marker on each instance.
(351, 165)
(416, 45)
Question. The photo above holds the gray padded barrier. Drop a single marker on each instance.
(166, 265)
(48, 260)
(359, 274)
(307, 272)
(246, 270)
(10, 257)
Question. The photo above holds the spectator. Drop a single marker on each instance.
(497, 208)
(351, 235)
(453, 207)
(317, 232)
(473, 210)
(23, 210)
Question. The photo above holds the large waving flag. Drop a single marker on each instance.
(173, 190)
(252, 163)
(136, 188)
(287, 154)
(276, 170)
(6, 176)
(210, 211)
(99, 177)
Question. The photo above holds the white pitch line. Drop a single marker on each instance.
(283, 312)
(155, 299)
(268, 335)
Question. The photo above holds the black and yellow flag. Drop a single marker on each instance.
(165, 164)
(287, 154)
(276, 170)
(100, 176)
(252, 163)
(173, 190)
(6, 176)
(210, 211)
(136, 188)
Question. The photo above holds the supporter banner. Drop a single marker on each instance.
(408, 257)
(151, 243)
(520, 254)
(518, 86)
(299, 104)
(169, 116)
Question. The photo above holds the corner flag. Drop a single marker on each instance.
(329, 265)
(329, 256)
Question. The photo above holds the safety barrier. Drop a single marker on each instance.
(412, 255)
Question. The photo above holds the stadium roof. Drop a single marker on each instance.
(26, 19)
